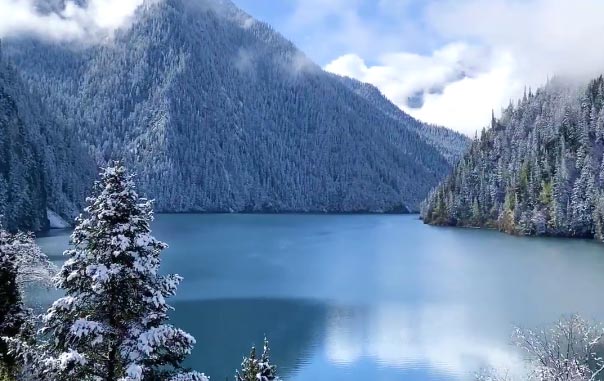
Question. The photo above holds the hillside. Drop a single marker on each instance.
(451, 145)
(217, 112)
(41, 166)
(539, 170)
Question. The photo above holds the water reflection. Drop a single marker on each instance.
(226, 329)
(437, 342)
(437, 338)
(318, 340)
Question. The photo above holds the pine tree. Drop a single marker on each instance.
(111, 323)
(257, 369)
(13, 315)
(601, 174)
(21, 263)
(476, 215)
(598, 217)
(582, 201)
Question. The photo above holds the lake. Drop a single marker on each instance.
(365, 297)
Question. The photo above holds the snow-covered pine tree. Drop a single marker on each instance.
(13, 315)
(111, 323)
(257, 369)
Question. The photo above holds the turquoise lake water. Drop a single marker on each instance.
(364, 297)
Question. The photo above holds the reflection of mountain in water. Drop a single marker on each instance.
(292, 326)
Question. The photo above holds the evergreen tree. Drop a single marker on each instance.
(21, 263)
(601, 175)
(257, 369)
(111, 323)
(13, 315)
(541, 163)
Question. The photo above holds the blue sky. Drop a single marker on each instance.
(316, 27)
(447, 62)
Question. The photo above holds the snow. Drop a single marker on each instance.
(32, 265)
(84, 328)
(63, 304)
(56, 221)
(134, 372)
(157, 337)
(191, 376)
(67, 359)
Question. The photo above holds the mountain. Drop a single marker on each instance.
(538, 170)
(41, 166)
(452, 145)
(215, 111)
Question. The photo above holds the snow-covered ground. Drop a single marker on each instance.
(56, 221)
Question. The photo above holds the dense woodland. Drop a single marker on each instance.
(42, 166)
(538, 170)
(217, 112)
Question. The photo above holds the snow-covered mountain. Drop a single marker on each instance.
(215, 111)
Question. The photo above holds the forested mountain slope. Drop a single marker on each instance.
(217, 112)
(452, 145)
(41, 165)
(538, 170)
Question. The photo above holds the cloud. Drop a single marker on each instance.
(96, 19)
(248, 59)
(444, 61)
(475, 55)
(456, 86)
(313, 11)
(544, 36)
(327, 27)
(397, 8)
(245, 61)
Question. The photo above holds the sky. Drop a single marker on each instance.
(447, 62)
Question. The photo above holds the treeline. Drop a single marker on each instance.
(112, 322)
(538, 170)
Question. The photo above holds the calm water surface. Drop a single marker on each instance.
(365, 297)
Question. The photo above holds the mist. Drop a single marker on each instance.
(72, 21)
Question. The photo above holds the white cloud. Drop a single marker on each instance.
(456, 86)
(97, 19)
(466, 105)
(544, 36)
(502, 46)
